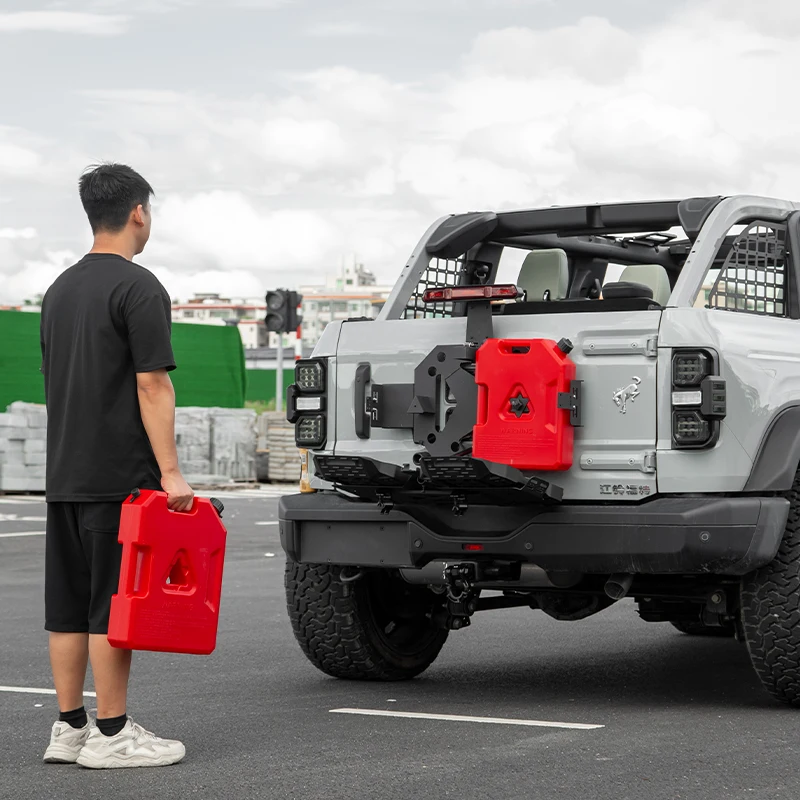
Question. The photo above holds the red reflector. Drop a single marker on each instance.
(473, 548)
(443, 294)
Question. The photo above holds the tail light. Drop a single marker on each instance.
(442, 294)
(306, 403)
(310, 376)
(689, 368)
(689, 429)
(309, 431)
(699, 400)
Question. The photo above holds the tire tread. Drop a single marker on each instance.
(326, 621)
(770, 609)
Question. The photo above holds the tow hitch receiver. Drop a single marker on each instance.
(462, 597)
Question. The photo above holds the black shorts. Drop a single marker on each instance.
(82, 561)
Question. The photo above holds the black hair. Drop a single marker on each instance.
(109, 192)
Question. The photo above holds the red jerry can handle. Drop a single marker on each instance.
(218, 506)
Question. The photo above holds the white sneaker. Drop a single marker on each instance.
(67, 742)
(133, 746)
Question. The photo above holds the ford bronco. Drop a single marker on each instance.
(557, 409)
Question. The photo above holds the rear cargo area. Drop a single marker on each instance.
(612, 452)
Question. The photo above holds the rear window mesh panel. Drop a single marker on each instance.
(753, 278)
(440, 272)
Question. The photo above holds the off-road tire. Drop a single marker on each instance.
(699, 629)
(376, 628)
(770, 603)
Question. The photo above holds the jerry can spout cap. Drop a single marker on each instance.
(217, 505)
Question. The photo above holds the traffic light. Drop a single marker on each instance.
(282, 314)
(277, 310)
(295, 317)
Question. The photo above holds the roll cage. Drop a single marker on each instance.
(465, 249)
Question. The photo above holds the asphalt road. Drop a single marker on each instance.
(683, 717)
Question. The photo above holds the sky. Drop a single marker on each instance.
(282, 136)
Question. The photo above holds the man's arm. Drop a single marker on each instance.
(157, 406)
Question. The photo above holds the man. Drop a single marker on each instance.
(106, 355)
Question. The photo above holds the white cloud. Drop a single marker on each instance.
(228, 283)
(17, 161)
(18, 233)
(304, 144)
(443, 172)
(224, 228)
(347, 29)
(219, 233)
(161, 6)
(593, 50)
(38, 274)
(63, 22)
(258, 189)
(30, 160)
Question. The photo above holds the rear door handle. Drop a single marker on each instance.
(363, 375)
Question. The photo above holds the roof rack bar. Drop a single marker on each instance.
(612, 218)
(645, 217)
(598, 247)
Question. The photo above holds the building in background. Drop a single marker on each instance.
(702, 298)
(212, 309)
(350, 292)
(31, 305)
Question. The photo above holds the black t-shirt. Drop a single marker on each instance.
(103, 320)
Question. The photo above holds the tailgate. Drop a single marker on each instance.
(615, 354)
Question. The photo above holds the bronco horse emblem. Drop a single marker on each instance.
(627, 393)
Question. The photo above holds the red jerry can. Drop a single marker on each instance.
(519, 420)
(171, 576)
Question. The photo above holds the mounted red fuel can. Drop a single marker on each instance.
(171, 576)
(528, 404)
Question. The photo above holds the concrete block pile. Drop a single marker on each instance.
(233, 441)
(23, 444)
(216, 445)
(193, 439)
(284, 457)
(262, 448)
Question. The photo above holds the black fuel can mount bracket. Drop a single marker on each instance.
(445, 400)
(571, 401)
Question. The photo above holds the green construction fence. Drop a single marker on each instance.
(261, 384)
(211, 368)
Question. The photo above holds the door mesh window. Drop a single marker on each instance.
(440, 272)
(753, 278)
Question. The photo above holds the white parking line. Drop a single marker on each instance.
(271, 492)
(20, 534)
(27, 690)
(275, 522)
(16, 518)
(534, 723)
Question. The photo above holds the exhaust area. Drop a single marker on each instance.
(618, 586)
(529, 576)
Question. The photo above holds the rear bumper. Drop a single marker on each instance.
(682, 535)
